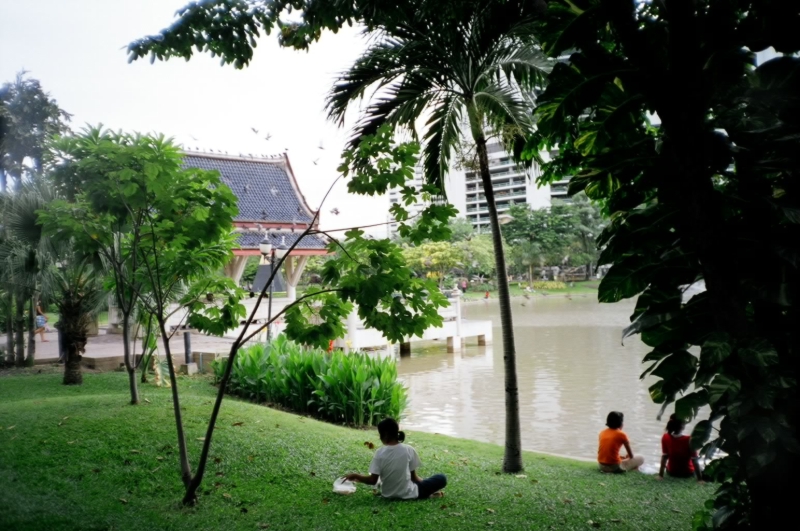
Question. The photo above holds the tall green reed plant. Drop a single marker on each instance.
(354, 389)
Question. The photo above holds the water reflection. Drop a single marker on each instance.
(572, 371)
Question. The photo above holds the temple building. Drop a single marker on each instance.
(271, 206)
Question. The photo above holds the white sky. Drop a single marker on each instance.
(76, 48)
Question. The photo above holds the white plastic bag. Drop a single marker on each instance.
(342, 486)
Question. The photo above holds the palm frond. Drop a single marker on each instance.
(526, 65)
(22, 214)
(502, 105)
(443, 132)
(378, 67)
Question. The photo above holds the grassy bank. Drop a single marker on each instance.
(577, 289)
(113, 466)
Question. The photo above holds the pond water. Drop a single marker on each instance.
(572, 371)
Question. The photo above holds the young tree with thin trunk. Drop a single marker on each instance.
(106, 178)
(368, 274)
(436, 60)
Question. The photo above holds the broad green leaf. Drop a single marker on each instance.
(701, 434)
(759, 353)
(721, 386)
(715, 350)
(686, 408)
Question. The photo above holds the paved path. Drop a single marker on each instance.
(105, 350)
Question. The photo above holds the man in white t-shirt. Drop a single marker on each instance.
(396, 464)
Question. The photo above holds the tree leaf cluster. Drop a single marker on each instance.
(659, 111)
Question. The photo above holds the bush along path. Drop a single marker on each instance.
(78, 458)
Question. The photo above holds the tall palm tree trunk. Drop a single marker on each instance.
(19, 332)
(512, 458)
(10, 334)
(29, 361)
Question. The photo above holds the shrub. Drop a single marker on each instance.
(549, 284)
(352, 388)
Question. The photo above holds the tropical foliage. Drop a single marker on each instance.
(706, 197)
(445, 62)
(563, 234)
(77, 290)
(355, 389)
(28, 119)
(157, 226)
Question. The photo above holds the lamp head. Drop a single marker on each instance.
(281, 250)
(265, 247)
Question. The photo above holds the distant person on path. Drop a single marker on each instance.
(612, 439)
(464, 286)
(679, 459)
(41, 322)
(396, 464)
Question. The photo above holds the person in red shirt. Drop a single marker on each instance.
(612, 440)
(678, 457)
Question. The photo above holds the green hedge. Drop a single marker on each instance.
(354, 389)
(549, 284)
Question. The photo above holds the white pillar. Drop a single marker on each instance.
(235, 268)
(458, 315)
(294, 266)
(351, 343)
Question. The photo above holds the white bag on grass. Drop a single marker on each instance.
(342, 486)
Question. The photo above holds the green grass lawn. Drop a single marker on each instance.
(578, 289)
(81, 458)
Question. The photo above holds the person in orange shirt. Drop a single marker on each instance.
(612, 439)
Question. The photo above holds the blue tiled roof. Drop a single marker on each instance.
(250, 240)
(263, 187)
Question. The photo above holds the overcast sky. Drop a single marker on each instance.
(76, 49)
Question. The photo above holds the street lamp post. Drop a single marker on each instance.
(270, 253)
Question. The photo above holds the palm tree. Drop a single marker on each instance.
(6, 278)
(23, 254)
(482, 64)
(76, 287)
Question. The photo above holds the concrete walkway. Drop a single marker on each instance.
(104, 352)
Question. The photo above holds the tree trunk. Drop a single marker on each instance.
(191, 489)
(74, 342)
(10, 332)
(512, 459)
(72, 366)
(29, 361)
(20, 331)
(186, 468)
(129, 366)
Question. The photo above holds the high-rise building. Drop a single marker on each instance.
(512, 185)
